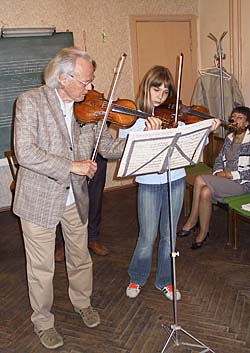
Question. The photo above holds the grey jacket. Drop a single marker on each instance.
(207, 93)
(44, 153)
(241, 169)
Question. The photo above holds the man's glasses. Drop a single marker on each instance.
(84, 83)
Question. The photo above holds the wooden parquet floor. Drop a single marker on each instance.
(214, 282)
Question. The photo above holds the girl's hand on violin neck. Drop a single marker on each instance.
(153, 123)
(87, 168)
(216, 124)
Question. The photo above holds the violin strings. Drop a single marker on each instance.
(124, 110)
(128, 111)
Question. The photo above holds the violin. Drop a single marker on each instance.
(188, 115)
(123, 112)
(194, 114)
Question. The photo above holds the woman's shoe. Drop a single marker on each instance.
(185, 233)
(198, 244)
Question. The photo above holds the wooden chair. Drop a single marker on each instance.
(235, 212)
(12, 161)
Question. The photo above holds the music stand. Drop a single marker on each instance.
(175, 140)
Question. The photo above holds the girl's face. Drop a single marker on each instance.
(159, 94)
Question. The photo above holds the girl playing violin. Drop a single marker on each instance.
(153, 206)
(153, 199)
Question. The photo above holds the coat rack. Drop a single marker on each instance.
(219, 57)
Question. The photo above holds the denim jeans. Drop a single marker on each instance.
(153, 213)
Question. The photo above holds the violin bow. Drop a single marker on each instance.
(116, 77)
(178, 88)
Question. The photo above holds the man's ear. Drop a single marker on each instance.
(63, 78)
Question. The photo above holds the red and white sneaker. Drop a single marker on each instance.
(133, 290)
(168, 291)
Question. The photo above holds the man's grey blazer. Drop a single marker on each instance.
(44, 152)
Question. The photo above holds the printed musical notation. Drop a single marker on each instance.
(157, 150)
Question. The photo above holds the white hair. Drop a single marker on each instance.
(64, 62)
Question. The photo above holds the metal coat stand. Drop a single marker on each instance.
(219, 57)
(176, 329)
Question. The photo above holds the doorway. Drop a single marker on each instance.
(158, 40)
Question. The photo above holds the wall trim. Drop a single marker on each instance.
(239, 32)
(3, 162)
(235, 28)
(120, 187)
(6, 208)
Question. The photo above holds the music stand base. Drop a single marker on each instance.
(174, 334)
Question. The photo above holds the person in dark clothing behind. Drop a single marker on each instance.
(96, 187)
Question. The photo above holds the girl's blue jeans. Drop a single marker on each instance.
(153, 213)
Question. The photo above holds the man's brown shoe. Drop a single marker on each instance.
(99, 249)
(59, 255)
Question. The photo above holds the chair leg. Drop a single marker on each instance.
(187, 200)
(235, 223)
(229, 226)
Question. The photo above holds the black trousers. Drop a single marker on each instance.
(96, 186)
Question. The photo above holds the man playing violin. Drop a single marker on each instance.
(54, 154)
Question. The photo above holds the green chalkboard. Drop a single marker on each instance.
(22, 62)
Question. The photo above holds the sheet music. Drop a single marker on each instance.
(147, 151)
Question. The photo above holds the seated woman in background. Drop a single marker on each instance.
(231, 176)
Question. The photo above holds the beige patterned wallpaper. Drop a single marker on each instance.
(105, 22)
(106, 27)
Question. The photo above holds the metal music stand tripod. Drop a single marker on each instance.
(176, 329)
(184, 146)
